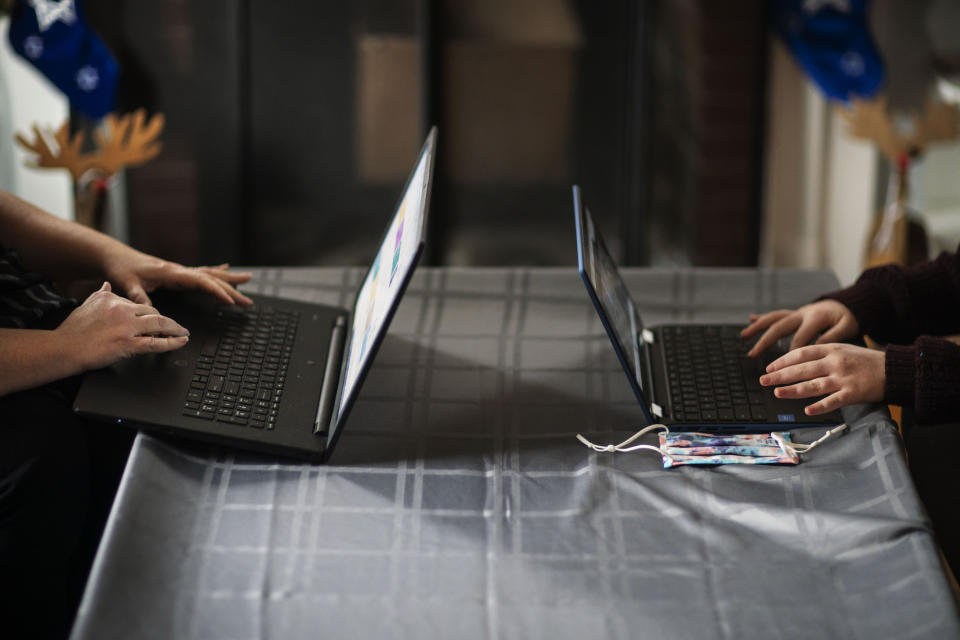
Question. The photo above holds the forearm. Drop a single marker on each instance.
(894, 304)
(926, 376)
(935, 295)
(33, 357)
(59, 249)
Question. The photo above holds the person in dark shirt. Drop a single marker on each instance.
(105, 327)
(911, 310)
(58, 473)
(915, 312)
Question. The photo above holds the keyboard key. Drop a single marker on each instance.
(215, 383)
(238, 378)
(203, 415)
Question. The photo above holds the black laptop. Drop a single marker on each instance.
(279, 376)
(696, 377)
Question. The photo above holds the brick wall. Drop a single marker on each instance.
(709, 68)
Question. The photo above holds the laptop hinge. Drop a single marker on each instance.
(645, 338)
(331, 377)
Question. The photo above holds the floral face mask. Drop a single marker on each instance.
(703, 448)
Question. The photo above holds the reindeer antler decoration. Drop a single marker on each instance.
(121, 142)
(128, 141)
(67, 156)
(893, 237)
(871, 121)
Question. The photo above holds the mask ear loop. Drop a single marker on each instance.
(799, 448)
(624, 447)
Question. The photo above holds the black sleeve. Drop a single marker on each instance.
(895, 304)
(925, 376)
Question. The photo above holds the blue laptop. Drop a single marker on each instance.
(696, 377)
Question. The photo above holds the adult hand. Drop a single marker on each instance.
(844, 373)
(107, 328)
(834, 319)
(138, 274)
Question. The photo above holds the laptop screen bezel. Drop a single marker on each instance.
(344, 403)
(584, 253)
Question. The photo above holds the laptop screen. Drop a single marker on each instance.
(379, 293)
(608, 290)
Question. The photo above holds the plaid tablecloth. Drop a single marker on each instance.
(458, 503)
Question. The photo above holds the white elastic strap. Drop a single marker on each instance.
(799, 448)
(624, 447)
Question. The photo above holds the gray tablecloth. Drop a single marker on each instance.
(459, 505)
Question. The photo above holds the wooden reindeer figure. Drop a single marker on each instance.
(121, 142)
(895, 235)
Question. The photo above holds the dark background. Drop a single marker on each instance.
(654, 108)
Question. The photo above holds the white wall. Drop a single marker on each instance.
(936, 195)
(27, 98)
(819, 183)
(849, 199)
(791, 226)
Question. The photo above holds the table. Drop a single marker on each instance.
(459, 504)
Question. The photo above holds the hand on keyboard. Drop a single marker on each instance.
(138, 274)
(844, 373)
(107, 328)
(833, 319)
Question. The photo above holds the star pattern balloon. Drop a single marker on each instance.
(54, 37)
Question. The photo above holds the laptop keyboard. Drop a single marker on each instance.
(239, 376)
(710, 377)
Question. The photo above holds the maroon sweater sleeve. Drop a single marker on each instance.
(895, 305)
(926, 376)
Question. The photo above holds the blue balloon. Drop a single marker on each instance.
(54, 37)
(831, 40)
